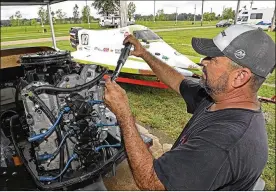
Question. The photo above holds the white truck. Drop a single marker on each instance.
(255, 16)
(113, 21)
(109, 21)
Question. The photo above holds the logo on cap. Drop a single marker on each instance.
(239, 54)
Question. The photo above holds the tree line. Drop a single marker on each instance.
(228, 13)
(104, 7)
(108, 7)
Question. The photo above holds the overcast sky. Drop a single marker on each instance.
(142, 7)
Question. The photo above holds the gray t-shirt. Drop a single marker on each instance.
(220, 150)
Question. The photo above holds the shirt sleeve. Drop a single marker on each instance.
(192, 93)
(194, 165)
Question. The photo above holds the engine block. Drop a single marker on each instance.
(69, 129)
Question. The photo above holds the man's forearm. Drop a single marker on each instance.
(139, 157)
(164, 72)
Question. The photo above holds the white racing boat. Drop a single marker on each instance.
(103, 47)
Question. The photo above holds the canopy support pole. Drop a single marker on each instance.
(52, 26)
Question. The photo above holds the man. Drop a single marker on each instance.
(224, 145)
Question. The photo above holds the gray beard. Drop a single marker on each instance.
(217, 87)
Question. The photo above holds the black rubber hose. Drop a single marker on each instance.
(12, 111)
(49, 114)
(73, 89)
(21, 83)
(19, 152)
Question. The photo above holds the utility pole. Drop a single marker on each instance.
(195, 14)
(251, 3)
(88, 14)
(176, 16)
(211, 9)
(154, 11)
(237, 12)
(202, 12)
(273, 20)
(123, 13)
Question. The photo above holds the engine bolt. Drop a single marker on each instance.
(30, 121)
(36, 106)
(71, 116)
(4, 173)
(66, 79)
(43, 130)
(77, 77)
(39, 111)
(14, 173)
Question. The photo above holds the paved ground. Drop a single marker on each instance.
(6, 43)
(123, 181)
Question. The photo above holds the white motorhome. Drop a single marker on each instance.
(255, 16)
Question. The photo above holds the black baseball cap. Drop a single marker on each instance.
(248, 46)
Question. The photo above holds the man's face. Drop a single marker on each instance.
(215, 74)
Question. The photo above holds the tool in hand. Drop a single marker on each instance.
(121, 61)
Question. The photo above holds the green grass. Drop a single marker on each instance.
(271, 78)
(181, 40)
(172, 24)
(34, 32)
(166, 110)
(160, 109)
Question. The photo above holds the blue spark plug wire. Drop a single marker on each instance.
(45, 157)
(50, 130)
(50, 178)
(105, 146)
(95, 102)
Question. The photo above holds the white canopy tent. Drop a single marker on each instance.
(123, 11)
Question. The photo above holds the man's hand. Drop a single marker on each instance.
(140, 159)
(139, 50)
(116, 99)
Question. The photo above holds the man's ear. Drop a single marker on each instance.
(241, 77)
